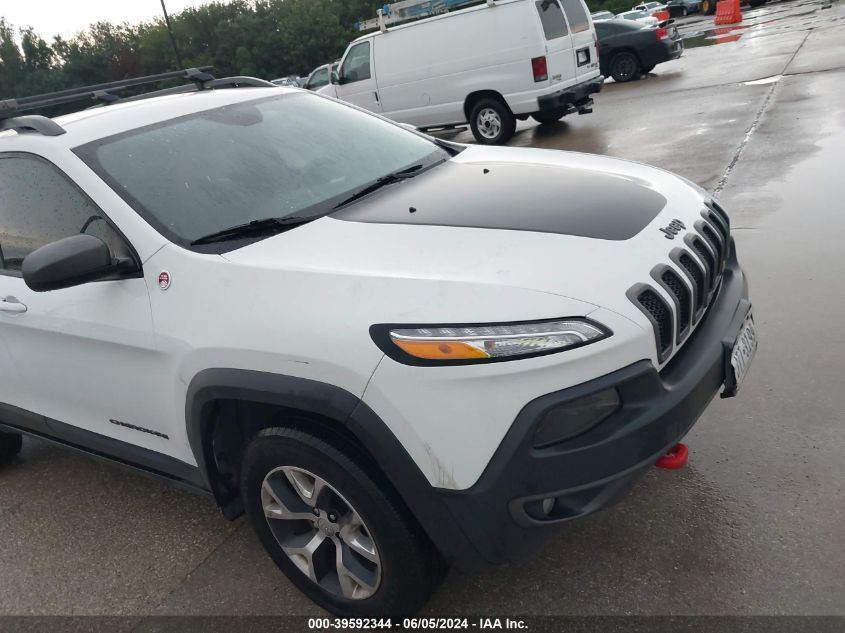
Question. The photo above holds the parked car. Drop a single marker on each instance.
(512, 60)
(261, 323)
(602, 15)
(320, 76)
(650, 7)
(708, 7)
(683, 7)
(628, 49)
(291, 81)
(641, 17)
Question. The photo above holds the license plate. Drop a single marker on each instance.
(743, 351)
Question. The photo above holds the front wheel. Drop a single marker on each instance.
(336, 529)
(492, 122)
(708, 7)
(624, 67)
(10, 446)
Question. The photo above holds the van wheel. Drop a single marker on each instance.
(492, 122)
(336, 530)
(549, 116)
(10, 446)
(624, 67)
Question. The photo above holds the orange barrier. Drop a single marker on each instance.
(662, 16)
(728, 12)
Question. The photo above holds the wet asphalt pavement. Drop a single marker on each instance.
(754, 525)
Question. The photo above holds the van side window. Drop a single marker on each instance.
(39, 205)
(577, 16)
(554, 25)
(356, 66)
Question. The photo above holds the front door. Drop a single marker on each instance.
(86, 354)
(357, 78)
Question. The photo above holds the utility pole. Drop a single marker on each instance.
(172, 39)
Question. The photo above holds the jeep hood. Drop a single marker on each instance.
(578, 226)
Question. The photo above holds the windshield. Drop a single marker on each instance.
(294, 155)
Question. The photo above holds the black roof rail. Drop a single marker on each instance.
(224, 82)
(32, 123)
(99, 92)
(103, 94)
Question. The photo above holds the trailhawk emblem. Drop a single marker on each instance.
(675, 227)
(164, 280)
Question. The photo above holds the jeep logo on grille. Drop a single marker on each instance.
(675, 227)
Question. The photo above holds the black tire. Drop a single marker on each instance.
(486, 135)
(708, 7)
(647, 69)
(548, 117)
(684, 12)
(624, 67)
(410, 567)
(10, 446)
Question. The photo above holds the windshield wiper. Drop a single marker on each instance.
(387, 179)
(255, 227)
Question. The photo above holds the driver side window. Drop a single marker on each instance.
(356, 66)
(39, 205)
(319, 79)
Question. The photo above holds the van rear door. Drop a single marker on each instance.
(583, 36)
(560, 58)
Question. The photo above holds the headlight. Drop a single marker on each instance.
(463, 344)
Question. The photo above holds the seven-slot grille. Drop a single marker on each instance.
(691, 290)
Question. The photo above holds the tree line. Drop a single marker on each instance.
(259, 38)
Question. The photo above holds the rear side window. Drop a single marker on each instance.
(577, 15)
(39, 205)
(554, 24)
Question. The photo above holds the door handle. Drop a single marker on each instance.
(376, 94)
(11, 304)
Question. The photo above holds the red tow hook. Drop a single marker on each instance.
(676, 458)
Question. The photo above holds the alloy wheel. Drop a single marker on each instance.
(321, 532)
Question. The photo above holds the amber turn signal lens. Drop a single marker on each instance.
(440, 350)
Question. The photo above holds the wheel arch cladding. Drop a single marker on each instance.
(318, 408)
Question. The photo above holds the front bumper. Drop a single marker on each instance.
(498, 514)
(571, 99)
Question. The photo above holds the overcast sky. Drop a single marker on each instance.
(67, 17)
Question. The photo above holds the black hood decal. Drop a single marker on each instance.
(519, 197)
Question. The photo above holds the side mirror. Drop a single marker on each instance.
(334, 78)
(69, 262)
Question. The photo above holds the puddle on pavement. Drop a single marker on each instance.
(759, 19)
(763, 81)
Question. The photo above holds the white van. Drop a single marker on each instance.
(487, 65)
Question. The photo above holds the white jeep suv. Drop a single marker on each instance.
(393, 353)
